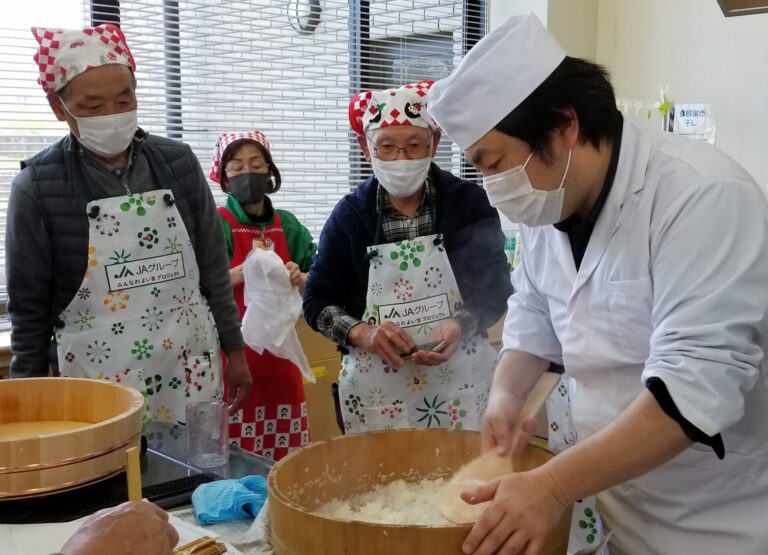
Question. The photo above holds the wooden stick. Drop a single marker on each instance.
(133, 470)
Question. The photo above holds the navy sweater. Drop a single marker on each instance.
(473, 240)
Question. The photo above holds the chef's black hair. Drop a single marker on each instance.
(575, 83)
(229, 152)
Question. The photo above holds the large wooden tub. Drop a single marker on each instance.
(346, 466)
(58, 433)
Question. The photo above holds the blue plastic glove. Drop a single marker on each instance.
(226, 500)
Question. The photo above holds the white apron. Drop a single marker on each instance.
(138, 317)
(411, 283)
(586, 525)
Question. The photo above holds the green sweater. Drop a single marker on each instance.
(300, 244)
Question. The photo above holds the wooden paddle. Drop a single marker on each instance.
(490, 465)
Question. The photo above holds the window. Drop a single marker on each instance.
(285, 67)
(402, 42)
(26, 121)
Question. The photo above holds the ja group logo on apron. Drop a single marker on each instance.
(411, 284)
(138, 317)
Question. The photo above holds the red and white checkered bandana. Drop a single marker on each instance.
(64, 54)
(225, 140)
(404, 106)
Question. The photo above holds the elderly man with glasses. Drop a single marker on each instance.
(409, 274)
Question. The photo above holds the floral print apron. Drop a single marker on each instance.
(586, 526)
(411, 284)
(139, 317)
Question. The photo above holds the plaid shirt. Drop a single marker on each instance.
(398, 226)
(334, 322)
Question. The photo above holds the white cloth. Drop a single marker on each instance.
(411, 284)
(249, 537)
(673, 285)
(272, 307)
(500, 71)
(139, 317)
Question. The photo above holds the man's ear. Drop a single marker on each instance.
(435, 141)
(569, 131)
(363, 142)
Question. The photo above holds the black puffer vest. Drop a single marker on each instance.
(63, 203)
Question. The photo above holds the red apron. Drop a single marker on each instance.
(274, 419)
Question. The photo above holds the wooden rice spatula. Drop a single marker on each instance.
(490, 465)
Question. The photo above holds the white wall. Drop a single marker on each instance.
(702, 57)
(572, 22)
(574, 25)
(499, 10)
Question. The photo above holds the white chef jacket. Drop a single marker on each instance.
(673, 284)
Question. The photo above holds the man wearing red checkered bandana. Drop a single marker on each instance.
(410, 272)
(114, 248)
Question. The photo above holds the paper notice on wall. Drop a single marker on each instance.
(695, 121)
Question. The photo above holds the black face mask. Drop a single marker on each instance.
(250, 188)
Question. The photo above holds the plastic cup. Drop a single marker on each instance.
(207, 433)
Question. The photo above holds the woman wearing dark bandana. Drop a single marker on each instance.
(244, 168)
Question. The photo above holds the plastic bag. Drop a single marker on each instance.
(272, 307)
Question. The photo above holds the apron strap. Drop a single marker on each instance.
(228, 216)
(379, 214)
(157, 166)
(77, 175)
(153, 163)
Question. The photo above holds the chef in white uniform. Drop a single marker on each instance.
(651, 288)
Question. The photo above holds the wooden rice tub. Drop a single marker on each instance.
(346, 466)
(59, 433)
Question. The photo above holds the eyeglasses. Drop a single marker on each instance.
(413, 151)
(238, 169)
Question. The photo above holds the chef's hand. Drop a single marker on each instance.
(526, 507)
(298, 278)
(239, 380)
(450, 332)
(133, 527)
(387, 341)
(499, 423)
(236, 275)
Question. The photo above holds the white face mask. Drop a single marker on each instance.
(513, 195)
(108, 135)
(401, 178)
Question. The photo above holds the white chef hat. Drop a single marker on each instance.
(497, 74)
